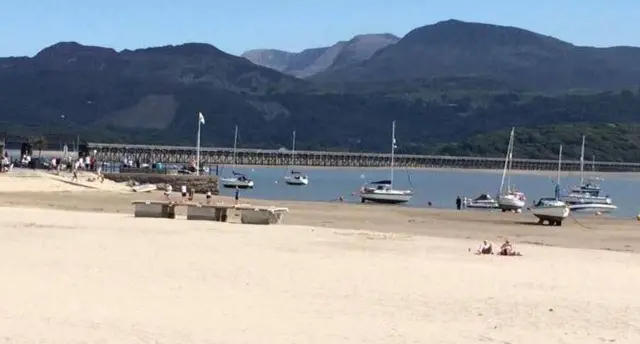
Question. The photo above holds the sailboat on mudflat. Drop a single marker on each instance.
(509, 199)
(552, 210)
(382, 191)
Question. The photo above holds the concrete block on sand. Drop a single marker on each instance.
(207, 212)
(154, 209)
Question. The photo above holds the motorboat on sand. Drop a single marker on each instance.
(484, 201)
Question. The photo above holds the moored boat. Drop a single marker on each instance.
(383, 191)
(237, 180)
(508, 198)
(552, 210)
(586, 198)
(295, 178)
(484, 201)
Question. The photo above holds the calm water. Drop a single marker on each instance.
(439, 187)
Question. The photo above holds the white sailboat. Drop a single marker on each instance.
(586, 197)
(552, 210)
(237, 180)
(509, 199)
(295, 178)
(383, 191)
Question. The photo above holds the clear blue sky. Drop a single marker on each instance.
(27, 26)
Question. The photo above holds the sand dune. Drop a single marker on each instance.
(112, 278)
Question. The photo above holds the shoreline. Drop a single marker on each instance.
(599, 233)
(47, 153)
(545, 173)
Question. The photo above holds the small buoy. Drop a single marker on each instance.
(276, 182)
(362, 176)
(638, 217)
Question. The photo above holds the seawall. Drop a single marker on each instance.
(201, 184)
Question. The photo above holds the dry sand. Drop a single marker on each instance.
(74, 270)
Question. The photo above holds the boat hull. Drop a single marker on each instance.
(578, 199)
(509, 203)
(385, 198)
(551, 213)
(592, 208)
(234, 183)
(296, 181)
(481, 205)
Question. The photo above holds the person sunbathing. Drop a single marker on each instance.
(485, 248)
(507, 249)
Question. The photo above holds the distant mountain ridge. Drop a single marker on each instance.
(315, 60)
(517, 56)
(443, 83)
(143, 89)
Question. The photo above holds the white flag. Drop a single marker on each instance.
(200, 117)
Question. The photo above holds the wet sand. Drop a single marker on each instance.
(583, 232)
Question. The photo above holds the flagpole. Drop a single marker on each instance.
(198, 147)
(393, 147)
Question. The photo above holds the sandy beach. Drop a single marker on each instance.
(77, 267)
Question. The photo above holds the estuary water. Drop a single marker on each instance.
(440, 187)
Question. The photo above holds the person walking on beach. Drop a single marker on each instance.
(209, 196)
(167, 193)
(458, 203)
(237, 194)
(183, 191)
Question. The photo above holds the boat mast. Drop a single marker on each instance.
(235, 145)
(506, 160)
(393, 147)
(510, 167)
(559, 168)
(582, 162)
(293, 150)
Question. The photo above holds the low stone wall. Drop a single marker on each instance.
(149, 170)
(200, 183)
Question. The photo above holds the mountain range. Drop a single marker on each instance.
(448, 85)
(312, 61)
(521, 58)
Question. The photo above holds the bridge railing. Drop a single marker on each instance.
(245, 151)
